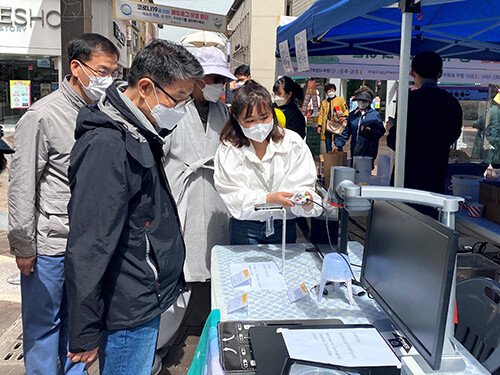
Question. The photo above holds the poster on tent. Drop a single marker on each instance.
(386, 67)
(285, 57)
(301, 51)
(20, 94)
(167, 15)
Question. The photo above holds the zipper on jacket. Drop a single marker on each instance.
(152, 266)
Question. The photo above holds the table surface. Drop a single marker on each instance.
(300, 267)
(480, 228)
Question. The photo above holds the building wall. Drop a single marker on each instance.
(300, 6)
(263, 36)
(103, 23)
(240, 39)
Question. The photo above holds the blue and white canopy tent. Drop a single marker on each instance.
(453, 28)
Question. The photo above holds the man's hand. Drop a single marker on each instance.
(318, 129)
(26, 264)
(83, 357)
(335, 148)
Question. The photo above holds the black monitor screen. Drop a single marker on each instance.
(408, 267)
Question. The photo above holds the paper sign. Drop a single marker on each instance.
(237, 303)
(285, 57)
(240, 278)
(351, 347)
(301, 51)
(299, 292)
(265, 275)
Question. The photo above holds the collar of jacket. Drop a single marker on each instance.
(114, 97)
(70, 94)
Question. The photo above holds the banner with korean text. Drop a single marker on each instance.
(386, 67)
(167, 15)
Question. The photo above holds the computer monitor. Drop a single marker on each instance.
(408, 265)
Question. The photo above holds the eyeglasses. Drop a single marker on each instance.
(178, 103)
(102, 73)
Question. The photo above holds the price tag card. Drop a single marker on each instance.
(299, 292)
(237, 303)
(240, 278)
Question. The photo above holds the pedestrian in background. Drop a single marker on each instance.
(288, 96)
(38, 195)
(333, 108)
(364, 126)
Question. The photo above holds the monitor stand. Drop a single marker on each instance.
(451, 361)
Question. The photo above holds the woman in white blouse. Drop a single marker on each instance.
(260, 162)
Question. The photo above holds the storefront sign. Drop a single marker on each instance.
(193, 19)
(20, 94)
(386, 67)
(30, 27)
(119, 35)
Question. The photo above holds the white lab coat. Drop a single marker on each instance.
(189, 165)
(287, 166)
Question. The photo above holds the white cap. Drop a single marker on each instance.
(213, 61)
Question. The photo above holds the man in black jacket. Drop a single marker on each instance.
(434, 124)
(125, 248)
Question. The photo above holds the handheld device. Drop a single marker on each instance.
(299, 198)
(267, 206)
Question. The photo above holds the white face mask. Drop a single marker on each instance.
(165, 117)
(97, 85)
(212, 92)
(239, 84)
(331, 95)
(363, 104)
(258, 132)
(279, 100)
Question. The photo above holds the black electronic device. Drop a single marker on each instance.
(408, 265)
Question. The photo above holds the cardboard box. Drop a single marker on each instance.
(331, 159)
(489, 195)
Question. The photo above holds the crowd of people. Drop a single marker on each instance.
(119, 189)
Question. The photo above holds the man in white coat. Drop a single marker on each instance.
(189, 165)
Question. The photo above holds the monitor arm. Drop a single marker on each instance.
(346, 195)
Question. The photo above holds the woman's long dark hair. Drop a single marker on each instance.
(289, 86)
(251, 95)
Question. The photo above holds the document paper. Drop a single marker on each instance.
(350, 347)
(264, 275)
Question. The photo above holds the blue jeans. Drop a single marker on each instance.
(329, 143)
(129, 351)
(250, 232)
(45, 319)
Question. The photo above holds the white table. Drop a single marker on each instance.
(300, 267)
(479, 228)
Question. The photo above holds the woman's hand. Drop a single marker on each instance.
(280, 198)
(308, 206)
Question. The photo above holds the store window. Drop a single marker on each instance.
(23, 81)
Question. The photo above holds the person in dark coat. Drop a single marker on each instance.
(364, 126)
(434, 124)
(288, 96)
(125, 249)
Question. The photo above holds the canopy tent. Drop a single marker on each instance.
(467, 29)
(453, 28)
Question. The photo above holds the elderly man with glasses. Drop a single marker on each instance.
(38, 195)
(125, 248)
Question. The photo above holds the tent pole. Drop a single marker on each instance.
(404, 72)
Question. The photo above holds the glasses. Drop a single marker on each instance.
(102, 73)
(178, 103)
